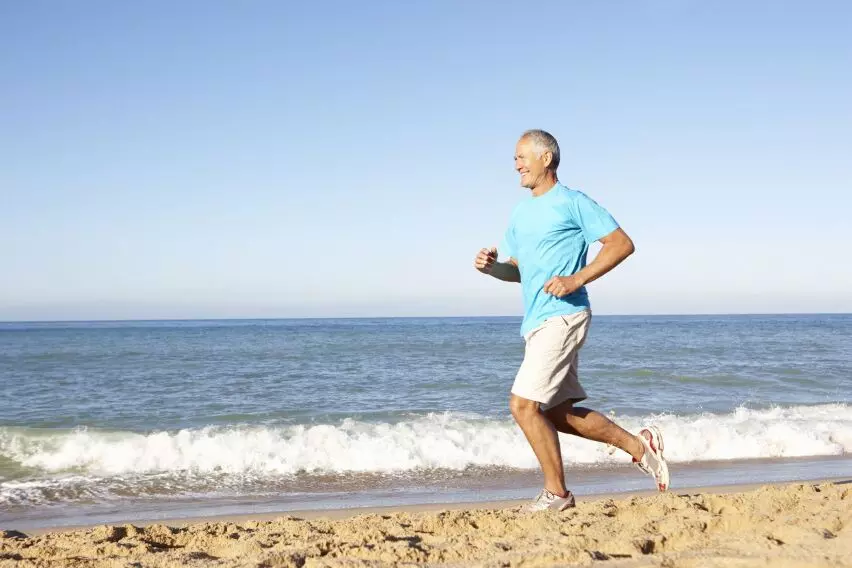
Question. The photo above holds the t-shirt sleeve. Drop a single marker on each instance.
(593, 220)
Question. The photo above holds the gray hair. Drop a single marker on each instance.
(544, 142)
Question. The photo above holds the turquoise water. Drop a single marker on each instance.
(101, 418)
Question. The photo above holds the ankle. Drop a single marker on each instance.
(560, 493)
(640, 446)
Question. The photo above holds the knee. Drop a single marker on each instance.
(522, 409)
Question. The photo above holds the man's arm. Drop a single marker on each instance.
(616, 247)
(486, 263)
(506, 271)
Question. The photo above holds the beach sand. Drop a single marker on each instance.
(781, 525)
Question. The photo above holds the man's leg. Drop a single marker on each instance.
(542, 436)
(646, 449)
(592, 425)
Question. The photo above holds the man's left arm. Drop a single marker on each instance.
(616, 247)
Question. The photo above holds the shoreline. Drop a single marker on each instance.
(470, 490)
(783, 524)
(431, 507)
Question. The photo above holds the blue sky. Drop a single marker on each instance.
(276, 159)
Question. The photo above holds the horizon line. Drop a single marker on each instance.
(520, 316)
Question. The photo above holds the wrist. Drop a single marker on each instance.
(581, 277)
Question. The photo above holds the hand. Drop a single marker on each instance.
(485, 260)
(560, 286)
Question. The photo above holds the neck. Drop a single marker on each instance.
(545, 184)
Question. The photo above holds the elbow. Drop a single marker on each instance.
(621, 243)
(628, 247)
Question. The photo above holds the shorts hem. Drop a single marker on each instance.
(559, 400)
(555, 401)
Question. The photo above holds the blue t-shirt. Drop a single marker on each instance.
(549, 236)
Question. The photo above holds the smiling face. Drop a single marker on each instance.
(532, 164)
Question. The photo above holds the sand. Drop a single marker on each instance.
(774, 525)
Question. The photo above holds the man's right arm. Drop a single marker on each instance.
(486, 263)
(506, 271)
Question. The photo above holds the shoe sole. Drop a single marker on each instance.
(562, 507)
(661, 446)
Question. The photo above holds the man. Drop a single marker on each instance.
(547, 240)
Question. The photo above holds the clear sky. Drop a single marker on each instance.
(274, 159)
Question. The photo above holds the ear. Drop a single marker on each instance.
(547, 158)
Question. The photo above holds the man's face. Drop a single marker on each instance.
(532, 167)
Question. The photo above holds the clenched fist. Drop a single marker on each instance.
(485, 260)
(561, 286)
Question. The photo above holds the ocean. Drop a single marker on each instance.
(144, 420)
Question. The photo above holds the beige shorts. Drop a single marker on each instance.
(548, 374)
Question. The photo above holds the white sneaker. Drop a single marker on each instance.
(547, 500)
(653, 463)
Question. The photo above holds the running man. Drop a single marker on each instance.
(546, 244)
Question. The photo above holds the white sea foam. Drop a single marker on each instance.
(433, 441)
(449, 441)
